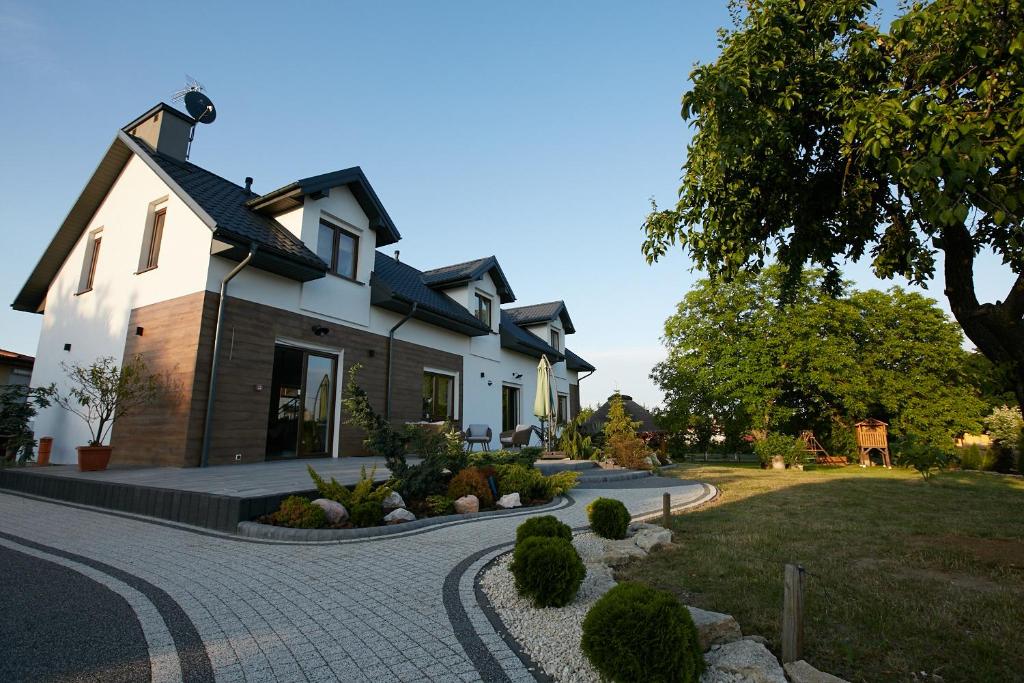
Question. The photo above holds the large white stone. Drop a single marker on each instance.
(398, 516)
(743, 660)
(619, 552)
(714, 628)
(802, 672)
(466, 504)
(393, 501)
(509, 500)
(333, 510)
(647, 538)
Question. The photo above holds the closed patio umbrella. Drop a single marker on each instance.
(544, 401)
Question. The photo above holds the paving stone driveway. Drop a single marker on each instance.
(397, 608)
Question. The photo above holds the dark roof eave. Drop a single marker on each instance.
(269, 259)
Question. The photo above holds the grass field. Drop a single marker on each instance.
(908, 580)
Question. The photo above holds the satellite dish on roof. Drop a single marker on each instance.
(200, 107)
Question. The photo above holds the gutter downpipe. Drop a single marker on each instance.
(391, 344)
(204, 458)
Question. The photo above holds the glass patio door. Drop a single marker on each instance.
(301, 421)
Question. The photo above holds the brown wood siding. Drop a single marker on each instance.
(247, 357)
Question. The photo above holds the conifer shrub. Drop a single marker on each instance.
(547, 526)
(472, 481)
(635, 633)
(609, 518)
(367, 513)
(547, 570)
(298, 512)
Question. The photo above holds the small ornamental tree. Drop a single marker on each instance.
(1004, 426)
(620, 439)
(103, 392)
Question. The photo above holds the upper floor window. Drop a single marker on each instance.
(339, 249)
(92, 257)
(555, 340)
(155, 237)
(483, 309)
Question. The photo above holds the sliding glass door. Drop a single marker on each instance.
(301, 422)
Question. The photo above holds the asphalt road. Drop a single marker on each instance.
(58, 625)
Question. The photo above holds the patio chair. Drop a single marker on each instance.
(478, 434)
(516, 438)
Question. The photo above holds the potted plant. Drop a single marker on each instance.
(102, 393)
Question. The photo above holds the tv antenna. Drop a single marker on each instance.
(198, 105)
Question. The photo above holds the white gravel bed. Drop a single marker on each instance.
(551, 635)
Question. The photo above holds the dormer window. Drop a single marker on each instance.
(483, 309)
(339, 249)
(555, 340)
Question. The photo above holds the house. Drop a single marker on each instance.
(636, 412)
(15, 368)
(140, 264)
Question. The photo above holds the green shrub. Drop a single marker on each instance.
(791, 449)
(547, 526)
(637, 633)
(547, 570)
(609, 518)
(472, 481)
(368, 513)
(922, 456)
(364, 490)
(524, 480)
(440, 505)
(298, 513)
(974, 457)
(523, 456)
(561, 482)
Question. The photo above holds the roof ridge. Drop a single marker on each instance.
(462, 263)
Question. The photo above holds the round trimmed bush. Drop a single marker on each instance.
(637, 633)
(547, 570)
(472, 481)
(609, 518)
(547, 526)
(368, 513)
(298, 512)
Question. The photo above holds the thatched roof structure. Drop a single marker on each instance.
(635, 411)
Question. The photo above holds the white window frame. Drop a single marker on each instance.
(455, 388)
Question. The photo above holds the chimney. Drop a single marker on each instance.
(248, 183)
(165, 129)
(396, 254)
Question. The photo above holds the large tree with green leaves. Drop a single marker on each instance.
(822, 137)
(740, 358)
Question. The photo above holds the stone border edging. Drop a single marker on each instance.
(281, 533)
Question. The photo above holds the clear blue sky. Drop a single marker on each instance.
(536, 131)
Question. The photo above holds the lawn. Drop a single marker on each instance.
(907, 579)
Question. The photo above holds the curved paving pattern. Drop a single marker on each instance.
(393, 608)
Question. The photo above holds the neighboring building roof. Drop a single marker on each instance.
(16, 359)
(516, 338)
(397, 286)
(291, 196)
(463, 273)
(574, 362)
(542, 313)
(635, 411)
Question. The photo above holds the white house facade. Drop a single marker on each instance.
(138, 268)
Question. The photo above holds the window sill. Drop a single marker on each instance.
(346, 278)
(83, 291)
(146, 270)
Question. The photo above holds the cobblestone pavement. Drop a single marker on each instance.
(394, 608)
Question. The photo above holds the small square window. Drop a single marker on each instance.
(483, 309)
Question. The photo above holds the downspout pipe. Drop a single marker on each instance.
(391, 344)
(211, 393)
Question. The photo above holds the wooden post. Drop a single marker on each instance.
(793, 614)
(666, 510)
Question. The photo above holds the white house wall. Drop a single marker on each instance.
(95, 322)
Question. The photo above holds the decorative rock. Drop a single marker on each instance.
(398, 516)
(714, 628)
(757, 639)
(510, 500)
(742, 660)
(466, 504)
(618, 553)
(393, 501)
(333, 510)
(646, 539)
(802, 672)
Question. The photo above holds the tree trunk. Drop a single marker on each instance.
(997, 330)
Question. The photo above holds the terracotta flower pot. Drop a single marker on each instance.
(93, 458)
(45, 446)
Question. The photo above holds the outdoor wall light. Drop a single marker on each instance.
(138, 331)
(489, 383)
(517, 375)
(67, 347)
(482, 375)
(321, 331)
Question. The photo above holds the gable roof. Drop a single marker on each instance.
(397, 286)
(542, 313)
(218, 203)
(462, 273)
(292, 195)
(516, 338)
(574, 362)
